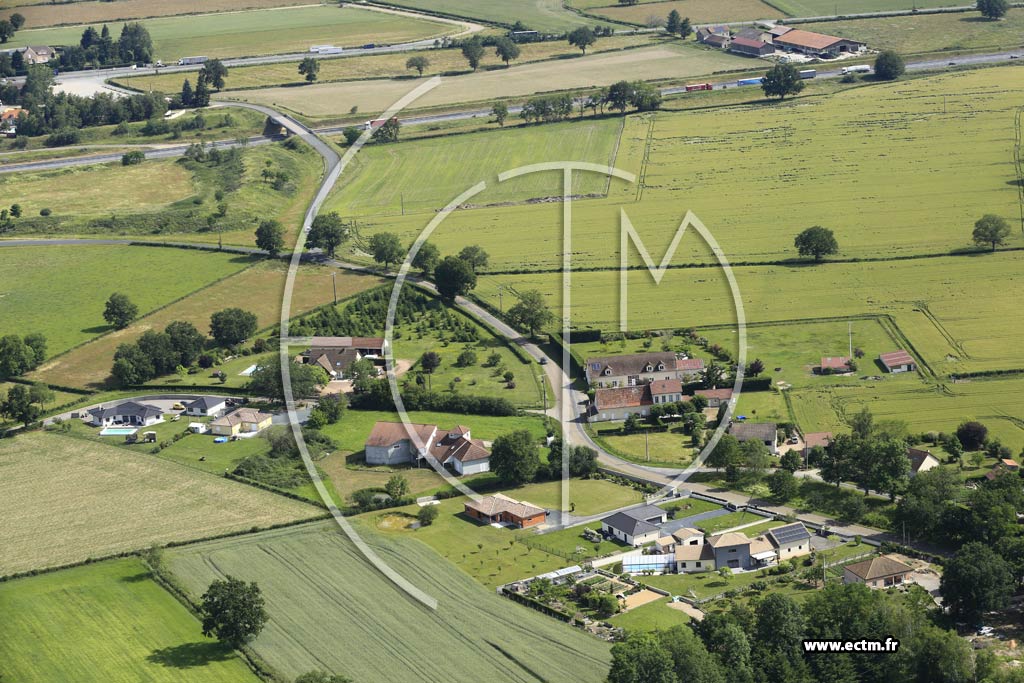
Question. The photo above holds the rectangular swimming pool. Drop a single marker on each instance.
(117, 431)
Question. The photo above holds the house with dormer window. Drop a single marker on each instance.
(630, 370)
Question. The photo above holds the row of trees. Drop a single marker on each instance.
(515, 459)
(24, 404)
(98, 48)
(10, 26)
(178, 347)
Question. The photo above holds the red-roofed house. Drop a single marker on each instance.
(921, 461)
(816, 440)
(898, 361)
(832, 364)
(620, 402)
(817, 44)
(750, 47)
(666, 391)
(689, 368)
(715, 397)
(500, 509)
(391, 443)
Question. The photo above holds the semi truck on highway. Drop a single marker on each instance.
(750, 81)
(699, 86)
(856, 69)
(325, 50)
(192, 60)
(808, 73)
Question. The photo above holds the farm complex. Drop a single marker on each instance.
(648, 341)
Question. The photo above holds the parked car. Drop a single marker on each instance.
(178, 406)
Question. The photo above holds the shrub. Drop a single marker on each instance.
(133, 158)
(427, 515)
(45, 212)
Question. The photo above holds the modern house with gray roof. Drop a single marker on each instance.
(206, 406)
(128, 413)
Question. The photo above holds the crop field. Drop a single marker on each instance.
(258, 32)
(448, 62)
(92, 500)
(699, 11)
(101, 189)
(934, 32)
(65, 13)
(539, 15)
(320, 591)
(670, 60)
(260, 288)
(384, 178)
(106, 623)
(819, 8)
(69, 309)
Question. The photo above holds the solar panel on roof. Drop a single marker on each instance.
(790, 533)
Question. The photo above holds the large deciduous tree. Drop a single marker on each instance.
(232, 326)
(327, 232)
(782, 80)
(975, 581)
(233, 611)
(582, 37)
(816, 241)
(993, 9)
(889, 65)
(454, 277)
(270, 237)
(991, 230)
(514, 457)
(310, 68)
(120, 311)
(419, 62)
(473, 51)
(531, 311)
(386, 248)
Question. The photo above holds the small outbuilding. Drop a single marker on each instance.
(898, 361)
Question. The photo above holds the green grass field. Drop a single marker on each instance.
(69, 309)
(92, 500)
(258, 32)
(933, 32)
(106, 623)
(332, 101)
(385, 178)
(320, 591)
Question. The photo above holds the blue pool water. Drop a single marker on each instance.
(117, 431)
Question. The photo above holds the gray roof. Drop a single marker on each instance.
(205, 403)
(635, 520)
(628, 525)
(790, 533)
(630, 364)
(749, 431)
(127, 409)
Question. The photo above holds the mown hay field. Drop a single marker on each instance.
(258, 289)
(321, 592)
(448, 62)
(932, 32)
(106, 623)
(699, 11)
(669, 60)
(820, 8)
(539, 15)
(69, 499)
(258, 32)
(89, 191)
(422, 177)
(65, 13)
(69, 309)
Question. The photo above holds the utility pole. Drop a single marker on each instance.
(402, 196)
(647, 448)
(334, 284)
(850, 329)
(500, 306)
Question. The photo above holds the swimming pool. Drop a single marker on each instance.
(117, 431)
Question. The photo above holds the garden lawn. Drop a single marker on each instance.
(670, 449)
(321, 591)
(569, 541)
(106, 623)
(654, 616)
(703, 584)
(257, 32)
(69, 309)
(590, 496)
(92, 500)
